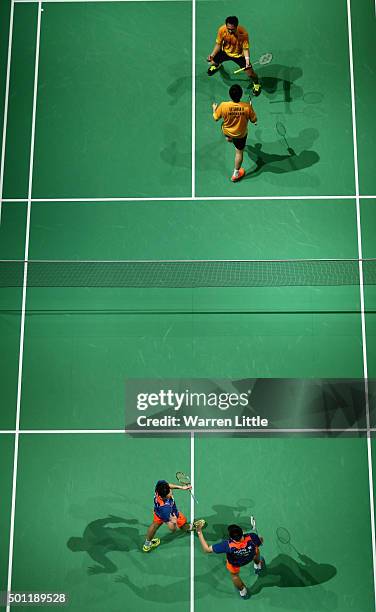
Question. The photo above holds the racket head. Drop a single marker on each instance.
(281, 128)
(313, 97)
(266, 58)
(283, 535)
(183, 478)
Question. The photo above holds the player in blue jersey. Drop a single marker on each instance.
(165, 511)
(240, 549)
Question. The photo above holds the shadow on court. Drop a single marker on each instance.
(100, 538)
(179, 590)
(278, 81)
(286, 572)
(291, 161)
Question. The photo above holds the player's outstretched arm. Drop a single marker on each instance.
(204, 545)
(186, 487)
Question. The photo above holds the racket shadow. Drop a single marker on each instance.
(286, 572)
(279, 163)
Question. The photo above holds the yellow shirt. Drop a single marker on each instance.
(235, 117)
(233, 44)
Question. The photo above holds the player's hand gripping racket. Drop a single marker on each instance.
(264, 59)
(183, 479)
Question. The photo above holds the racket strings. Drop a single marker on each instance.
(283, 535)
(184, 479)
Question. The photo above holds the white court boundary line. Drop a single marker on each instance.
(23, 309)
(362, 302)
(87, 1)
(193, 192)
(190, 199)
(192, 534)
(240, 430)
(6, 101)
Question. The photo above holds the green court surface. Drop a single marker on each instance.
(121, 160)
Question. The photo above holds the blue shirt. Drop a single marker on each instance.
(239, 553)
(163, 508)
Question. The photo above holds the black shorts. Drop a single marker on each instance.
(221, 57)
(239, 143)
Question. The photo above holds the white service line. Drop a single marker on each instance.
(195, 199)
(350, 432)
(23, 309)
(6, 99)
(103, 1)
(362, 302)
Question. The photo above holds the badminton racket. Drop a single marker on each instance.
(184, 479)
(283, 536)
(264, 59)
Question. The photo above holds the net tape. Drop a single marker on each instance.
(187, 273)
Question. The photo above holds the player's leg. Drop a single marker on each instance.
(182, 523)
(239, 172)
(237, 581)
(216, 62)
(256, 86)
(150, 540)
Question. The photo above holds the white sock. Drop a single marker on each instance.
(243, 591)
(257, 565)
(147, 542)
(236, 172)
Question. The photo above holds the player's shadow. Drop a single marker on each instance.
(291, 161)
(278, 81)
(177, 591)
(286, 572)
(100, 538)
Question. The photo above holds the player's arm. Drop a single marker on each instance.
(216, 49)
(217, 111)
(252, 115)
(181, 487)
(246, 51)
(204, 545)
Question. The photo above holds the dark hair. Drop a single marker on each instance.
(232, 20)
(235, 532)
(235, 92)
(162, 489)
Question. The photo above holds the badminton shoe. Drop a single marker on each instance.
(239, 176)
(213, 69)
(256, 89)
(153, 544)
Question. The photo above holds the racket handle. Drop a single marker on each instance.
(193, 497)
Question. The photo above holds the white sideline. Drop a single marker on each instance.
(23, 310)
(361, 290)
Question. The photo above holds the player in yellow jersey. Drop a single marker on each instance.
(235, 115)
(232, 43)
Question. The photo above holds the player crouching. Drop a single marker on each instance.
(240, 549)
(165, 511)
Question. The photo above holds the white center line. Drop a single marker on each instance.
(361, 289)
(23, 309)
(192, 542)
(193, 177)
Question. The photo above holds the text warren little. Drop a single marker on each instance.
(196, 421)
